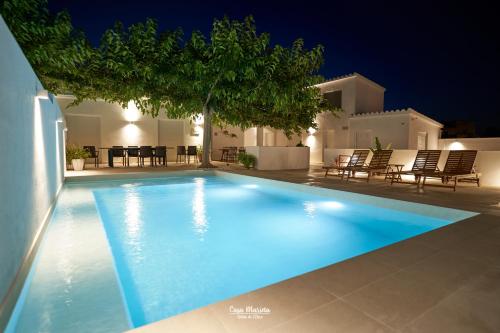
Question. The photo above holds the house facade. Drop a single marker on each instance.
(361, 119)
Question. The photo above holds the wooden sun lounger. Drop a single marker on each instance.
(378, 164)
(426, 161)
(358, 159)
(459, 166)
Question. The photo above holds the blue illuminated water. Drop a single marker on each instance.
(185, 244)
(120, 254)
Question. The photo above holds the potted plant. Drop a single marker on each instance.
(199, 151)
(248, 160)
(76, 155)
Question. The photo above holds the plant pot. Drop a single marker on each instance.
(78, 164)
(200, 157)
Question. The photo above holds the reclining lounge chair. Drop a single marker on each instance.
(378, 164)
(459, 166)
(425, 161)
(358, 159)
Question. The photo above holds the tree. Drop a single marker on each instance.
(235, 77)
(57, 52)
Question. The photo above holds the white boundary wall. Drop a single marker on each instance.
(482, 144)
(31, 172)
(280, 158)
(487, 162)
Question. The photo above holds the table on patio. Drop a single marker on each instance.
(126, 149)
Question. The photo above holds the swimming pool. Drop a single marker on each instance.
(124, 253)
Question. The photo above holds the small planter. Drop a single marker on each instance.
(78, 164)
(200, 157)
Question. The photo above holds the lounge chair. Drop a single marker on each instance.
(425, 161)
(459, 166)
(357, 159)
(378, 164)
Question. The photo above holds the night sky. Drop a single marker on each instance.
(441, 59)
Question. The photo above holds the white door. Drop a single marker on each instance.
(171, 134)
(364, 139)
(422, 140)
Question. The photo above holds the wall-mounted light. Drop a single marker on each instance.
(131, 112)
(42, 94)
(456, 145)
(198, 120)
(311, 131)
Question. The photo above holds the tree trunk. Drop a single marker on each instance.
(207, 137)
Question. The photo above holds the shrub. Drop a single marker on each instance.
(247, 160)
(74, 152)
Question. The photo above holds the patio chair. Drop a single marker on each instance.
(425, 161)
(459, 166)
(357, 159)
(160, 155)
(181, 154)
(378, 164)
(132, 151)
(93, 154)
(145, 152)
(232, 155)
(118, 151)
(192, 151)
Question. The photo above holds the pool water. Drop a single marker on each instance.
(185, 241)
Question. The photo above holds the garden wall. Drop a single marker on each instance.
(31, 172)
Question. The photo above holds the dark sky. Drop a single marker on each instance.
(439, 58)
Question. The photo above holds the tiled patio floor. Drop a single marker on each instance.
(447, 280)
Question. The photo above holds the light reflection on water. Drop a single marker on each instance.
(133, 221)
(200, 223)
(310, 209)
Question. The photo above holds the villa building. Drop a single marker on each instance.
(361, 119)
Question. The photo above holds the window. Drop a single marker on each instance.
(335, 98)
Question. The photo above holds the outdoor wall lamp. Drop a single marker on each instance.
(42, 94)
(311, 131)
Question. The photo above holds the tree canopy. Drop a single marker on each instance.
(235, 76)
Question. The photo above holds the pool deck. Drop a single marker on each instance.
(446, 280)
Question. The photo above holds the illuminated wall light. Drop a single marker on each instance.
(42, 94)
(198, 120)
(131, 113)
(456, 146)
(311, 131)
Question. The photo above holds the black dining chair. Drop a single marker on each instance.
(145, 152)
(181, 154)
(132, 151)
(232, 154)
(93, 154)
(119, 151)
(192, 151)
(160, 155)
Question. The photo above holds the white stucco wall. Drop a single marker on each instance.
(31, 172)
(389, 129)
(116, 127)
(470, 143)
(369, 98)
(280, 158)
(419, 124)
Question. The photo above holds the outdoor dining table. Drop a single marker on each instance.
(110, 153)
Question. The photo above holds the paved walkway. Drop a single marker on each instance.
(447, 280)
